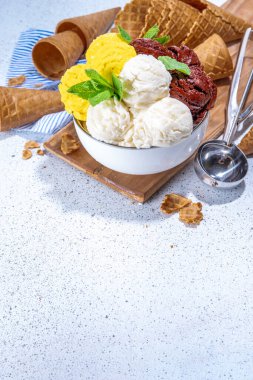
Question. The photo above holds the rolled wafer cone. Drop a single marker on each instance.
(154, 15)
(90, 26)
(213, 19)
(52, 56)
(215, 58)
(20, 106)
(166, 14)
(132, 17)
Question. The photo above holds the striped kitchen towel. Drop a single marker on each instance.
(21, 64)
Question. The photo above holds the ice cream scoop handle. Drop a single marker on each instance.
(228, 138)
(233, 110)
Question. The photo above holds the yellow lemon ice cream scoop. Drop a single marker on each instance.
(74, 104)
(108, 53)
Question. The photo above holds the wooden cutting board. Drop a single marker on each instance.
(141, 188)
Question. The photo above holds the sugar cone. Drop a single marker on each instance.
(132, 17)
(90, 26)
(212, 20)
(215, 58)
(173, 11)
(52, 56)
(20, 106)
(154, 15)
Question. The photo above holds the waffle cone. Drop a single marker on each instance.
(20, 106)
(154, 15)
(166, 14)
(52, 56)
(90, 26)
(212, 20)
(215, 58)
(132, 17)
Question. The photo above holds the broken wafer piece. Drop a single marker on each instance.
(173, 202)
(246, 145)
(31, 144)
(40, 152)
(191, 214)
(16, 81)
(69, 144)
(26, 154)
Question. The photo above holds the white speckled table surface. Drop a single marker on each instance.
(94, 286)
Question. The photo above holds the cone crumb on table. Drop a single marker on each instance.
(191, 214)
(40, 152)
(69, 144)
(31, 144)
(173, 202)
(26, 154)
(17, 81)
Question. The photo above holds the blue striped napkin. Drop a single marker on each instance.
(21, 64)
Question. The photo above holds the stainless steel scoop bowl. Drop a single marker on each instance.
(219, 163)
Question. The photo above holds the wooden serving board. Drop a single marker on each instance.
(141, 188)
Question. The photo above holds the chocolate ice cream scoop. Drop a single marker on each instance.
(149, 47)
(184, 54)
(197, 90)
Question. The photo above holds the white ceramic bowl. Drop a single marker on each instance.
(142, 161)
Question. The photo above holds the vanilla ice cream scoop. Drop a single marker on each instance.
(145, 81)
(109, 121)
(164, 123)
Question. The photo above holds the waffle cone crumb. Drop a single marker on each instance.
(26, 154)
(69, 144)
(173, 202)
(17, 81)
(31, 144)
(191, 214)
(40, 152)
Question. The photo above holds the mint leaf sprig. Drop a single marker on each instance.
(124, 35)
(173, 64)
(97, 89)
(151, 33)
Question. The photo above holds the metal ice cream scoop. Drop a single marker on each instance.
(219, 163)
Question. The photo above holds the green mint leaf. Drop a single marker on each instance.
(162, 40)
(96, 77)
(85, 90)
(104, 95)
(152, 32)
(118, 86)
(124, 35)
(173, 64)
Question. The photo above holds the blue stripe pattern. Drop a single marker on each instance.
(21, 64)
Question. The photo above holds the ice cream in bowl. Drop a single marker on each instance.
(139, 107)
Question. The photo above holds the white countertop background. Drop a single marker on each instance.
(95, 286)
